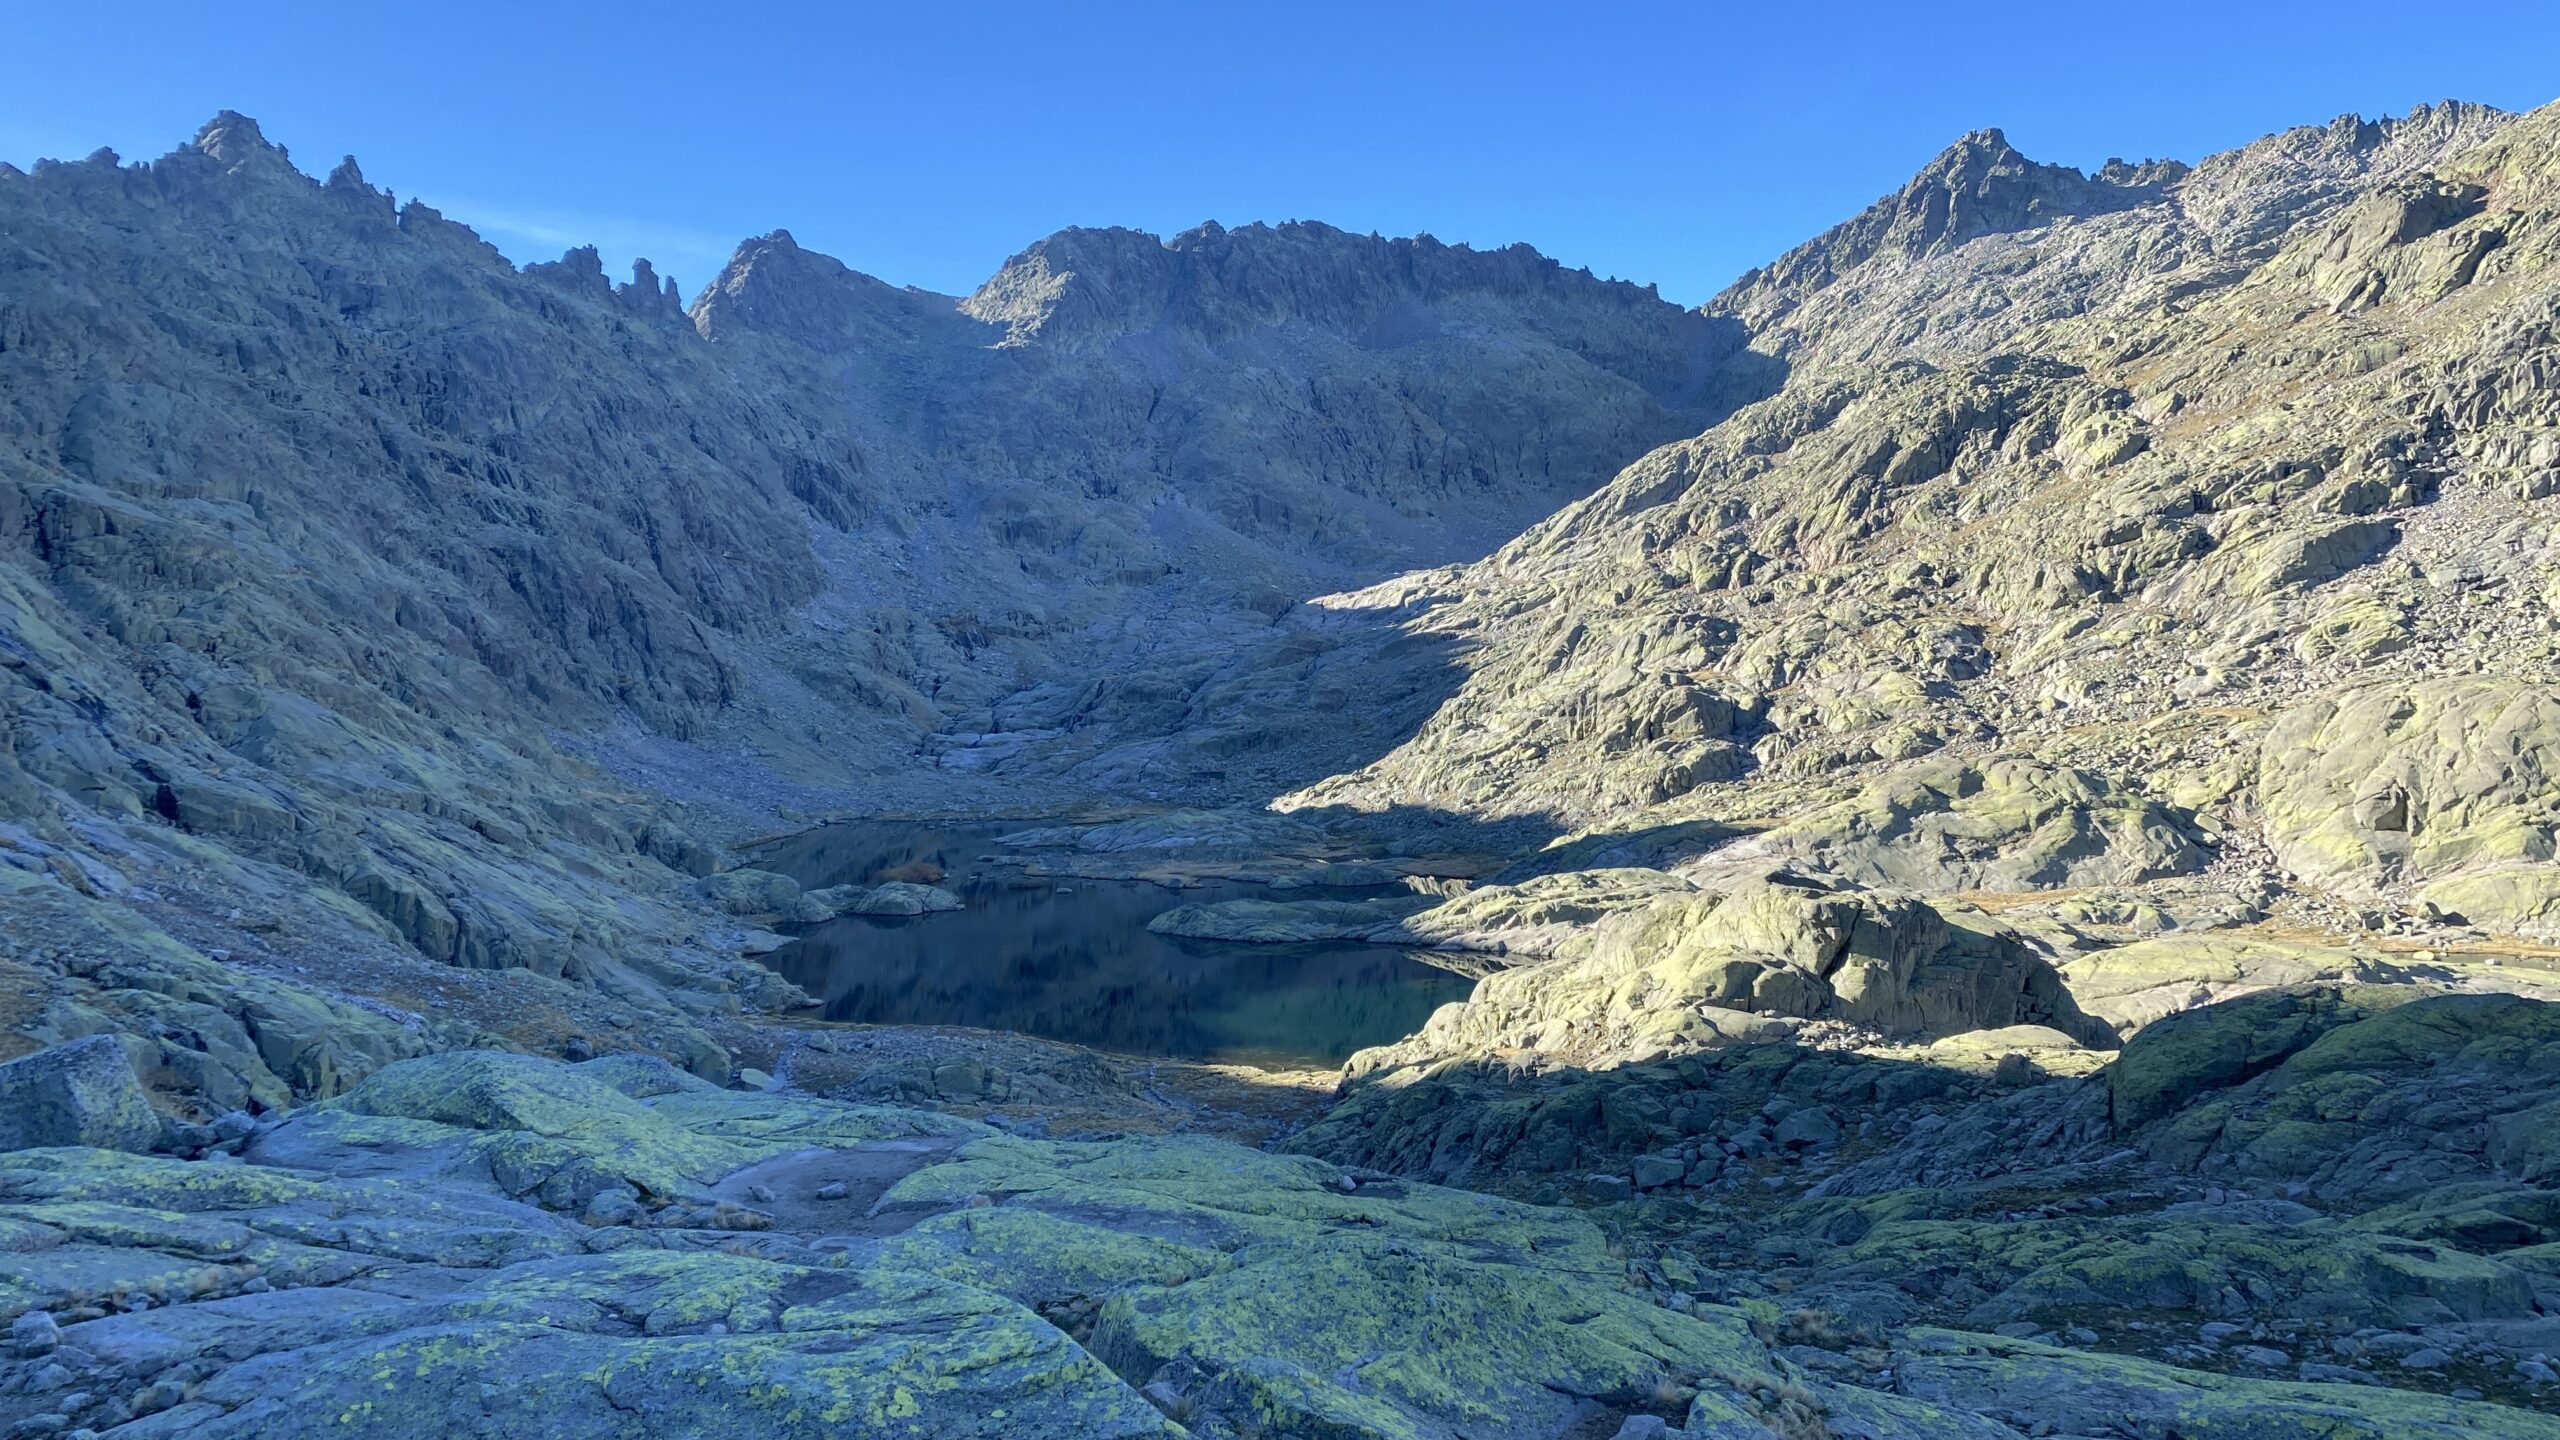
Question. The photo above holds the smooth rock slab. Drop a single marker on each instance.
(540, 1350)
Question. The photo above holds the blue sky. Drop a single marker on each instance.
(1677, 144)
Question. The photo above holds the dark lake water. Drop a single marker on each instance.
(1073, 960)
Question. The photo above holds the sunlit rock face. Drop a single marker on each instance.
(2105, 531)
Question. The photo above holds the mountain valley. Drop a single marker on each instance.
(1990, 795)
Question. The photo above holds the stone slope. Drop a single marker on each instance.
(2066, 593)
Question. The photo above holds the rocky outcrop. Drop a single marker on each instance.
(897, 1271)
(2007, 824)
(1978, 186)
(2304, 1186)
(898, 897)
(1751, 962)
(751, 892)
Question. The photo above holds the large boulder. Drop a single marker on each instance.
(2132, 985)
(750, 892)
(1702, 969)
(83, 1093)
(901, 897)
(897, 897)
(563, 1135)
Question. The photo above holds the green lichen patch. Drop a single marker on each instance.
(1205, 1192)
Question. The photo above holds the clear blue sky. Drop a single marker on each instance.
(1679, 144)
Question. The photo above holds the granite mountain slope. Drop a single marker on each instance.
(328, 527)
(2185, 529)
(2003, 774)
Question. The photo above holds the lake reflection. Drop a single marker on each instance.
(1073, 960)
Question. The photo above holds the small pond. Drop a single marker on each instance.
(1073, 960)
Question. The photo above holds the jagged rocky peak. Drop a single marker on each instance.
(646, 294)
(347, 184)
(1954, 230)
(1981, 185)
(426, 224)
(2457, 122)
(235, 139)
(579, 268)
(762, 288)
(1078, 279)
(773, 285)
(2351, 146)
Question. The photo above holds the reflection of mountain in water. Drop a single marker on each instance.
(1073, 960)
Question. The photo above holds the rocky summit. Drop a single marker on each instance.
(1996, 786)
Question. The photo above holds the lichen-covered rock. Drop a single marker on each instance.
(1520, 1123)
(1286, 1297)
(83, 1093)
(210, 1036)
(543, 1131)
(1368, 1336)
(2172, 1063)
(2231, 1261)
(2438, 783)
(1243, 1282)
(993, 1285)
(2012, 824)
(724, 1346)
(1663, 976)
(2334, 1115)
(2130, 986)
